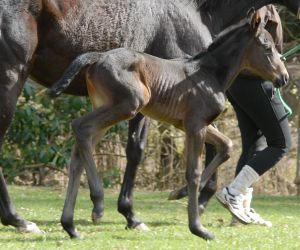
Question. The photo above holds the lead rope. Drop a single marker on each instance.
(286, 107)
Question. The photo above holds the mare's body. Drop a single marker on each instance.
(40, 38)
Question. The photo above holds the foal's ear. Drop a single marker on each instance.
(254, 19)
(250, 14)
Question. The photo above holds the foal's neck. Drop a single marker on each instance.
(224, 62)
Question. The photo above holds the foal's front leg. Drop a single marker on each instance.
(194, 143)
(223, 146)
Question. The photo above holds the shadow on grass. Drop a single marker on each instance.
(160, 223)
(80, 222)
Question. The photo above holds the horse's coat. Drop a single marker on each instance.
(187, 93)
(41, 37)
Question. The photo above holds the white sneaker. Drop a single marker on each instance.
(257, 219)
(235, 205)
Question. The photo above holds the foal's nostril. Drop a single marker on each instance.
(281, 80)
(286, 78)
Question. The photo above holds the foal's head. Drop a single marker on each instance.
(261, 56)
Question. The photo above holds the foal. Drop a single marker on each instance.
(188, 93)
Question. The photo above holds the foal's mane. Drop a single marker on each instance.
(223, 36)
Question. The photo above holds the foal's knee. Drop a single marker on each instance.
(226, 149)
(193, 177)
(79, 130)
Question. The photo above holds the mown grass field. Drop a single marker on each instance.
(167, 221)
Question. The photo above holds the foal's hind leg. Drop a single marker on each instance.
(85, 128)
(75, 171)
(137, 136)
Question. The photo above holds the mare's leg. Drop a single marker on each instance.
(210, 188)
(98, 208)
(17, 44)
(137, 136)
(194, 143)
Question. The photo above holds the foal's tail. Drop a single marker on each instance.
(74, 68)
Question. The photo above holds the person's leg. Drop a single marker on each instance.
(251, 137)
(268, 114)
(253, 141)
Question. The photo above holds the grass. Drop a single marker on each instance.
(167, 221)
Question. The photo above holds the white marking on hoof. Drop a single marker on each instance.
(30, 227)
(142, 227)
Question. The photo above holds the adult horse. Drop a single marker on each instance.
(39, 38)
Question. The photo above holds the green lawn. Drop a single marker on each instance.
(167, 221)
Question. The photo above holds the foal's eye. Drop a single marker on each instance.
(268, 47)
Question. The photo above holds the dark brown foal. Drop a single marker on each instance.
(187, 93)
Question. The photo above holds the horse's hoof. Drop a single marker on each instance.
(96, 218)
(29, 227)
(207, 235)
(142, 227)
(75, 235)
(178, 193)
(202, 232)
(173, 195)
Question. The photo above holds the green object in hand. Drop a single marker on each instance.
(286, 107)
(291, 52)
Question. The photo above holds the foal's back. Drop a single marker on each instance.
(163, 87)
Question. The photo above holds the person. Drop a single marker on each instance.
(264, 128)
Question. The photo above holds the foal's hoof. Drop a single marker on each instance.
(96, 217)
(73, 233)
(202, 232)
(29, 227)
(206, 235)
(142, 227)
(138, 227)
(178, 194)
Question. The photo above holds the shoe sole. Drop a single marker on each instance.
(225, 205)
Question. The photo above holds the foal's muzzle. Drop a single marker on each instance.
(281, 81)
